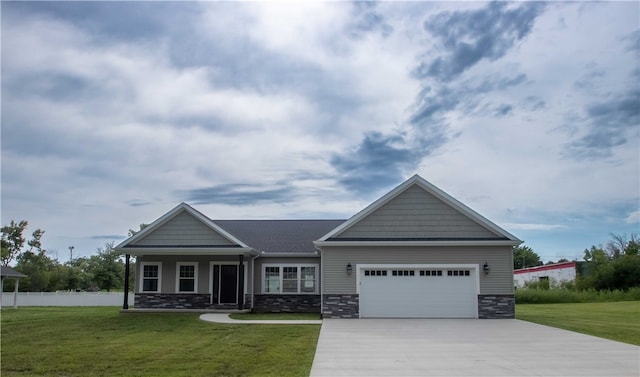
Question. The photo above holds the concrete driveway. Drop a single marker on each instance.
(465, 347)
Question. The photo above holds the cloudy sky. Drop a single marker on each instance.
(115, 112)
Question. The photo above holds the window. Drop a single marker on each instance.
(186, 277)
(151, 275)
(403, 272)
(430, 272)
(307, 279)
(271, 280)
(292, 279)
(458, 273)
(375, 272)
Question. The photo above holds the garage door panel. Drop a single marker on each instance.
(419, 296)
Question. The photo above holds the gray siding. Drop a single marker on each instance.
(260, 261)
(416, 213)
(335, 260)
(169, 263)
(184, 230)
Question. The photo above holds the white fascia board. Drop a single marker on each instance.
(437, 192)
(151, 227)
(320, 244)
(432, 189)
(173, 213)
(296, 255)
(369, 209)
(186, 251)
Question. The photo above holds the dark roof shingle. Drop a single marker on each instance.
(279, 236)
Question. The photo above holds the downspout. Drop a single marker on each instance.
(253, 281)
(125, 305)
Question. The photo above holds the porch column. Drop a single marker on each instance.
(126, 282)
(15, 294)
(240, 282)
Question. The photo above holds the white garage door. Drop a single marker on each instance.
(425, 292)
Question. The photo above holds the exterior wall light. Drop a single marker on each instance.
(349, 268)
(486, 268)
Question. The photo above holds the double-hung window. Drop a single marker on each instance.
(187, 277)
(290, 278)
(151, 276)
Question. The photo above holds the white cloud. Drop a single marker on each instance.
(93, 124)
(634, 217)
(517, 226)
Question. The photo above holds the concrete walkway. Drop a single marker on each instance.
(224, 318)
(461, 347)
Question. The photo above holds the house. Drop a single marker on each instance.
(555, 274)
(414, 253)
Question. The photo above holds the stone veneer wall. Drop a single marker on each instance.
(496, 306)
(287, 303)
(171, 301)
(182, 301)
(340, 306)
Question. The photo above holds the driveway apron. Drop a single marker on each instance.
(465, 347)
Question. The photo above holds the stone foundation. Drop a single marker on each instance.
(171, 301)
(496, 306)
(341, 306)
(287, 303)
(182, 301)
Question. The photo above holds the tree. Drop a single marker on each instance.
(107, 268)
(38, 268)
(524, 256)
(133, 232)
(616, 266)
(12, 241)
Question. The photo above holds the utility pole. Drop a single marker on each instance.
(71, 252)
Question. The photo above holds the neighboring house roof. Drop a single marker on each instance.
(11, 273)
(546, 267)
(279, 236)
(489, 233)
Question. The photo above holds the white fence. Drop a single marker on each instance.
(66, 299)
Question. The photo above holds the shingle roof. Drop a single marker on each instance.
(10, 272)
(279, 236)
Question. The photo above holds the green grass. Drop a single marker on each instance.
(276, 316)
(91, 341)
(618, 321)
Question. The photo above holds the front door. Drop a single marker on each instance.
(225, 284)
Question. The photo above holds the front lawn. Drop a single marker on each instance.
(612, 320)
(98, 341)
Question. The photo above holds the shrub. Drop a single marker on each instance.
(559, 295)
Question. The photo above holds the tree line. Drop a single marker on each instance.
(102, 271)
(616, 265)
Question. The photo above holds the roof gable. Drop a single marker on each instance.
(418, 210)
(183, 226)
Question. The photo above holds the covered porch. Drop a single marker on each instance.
(219, 279)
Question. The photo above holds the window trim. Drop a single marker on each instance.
(299, 267)
(195, 276)
(141, 286)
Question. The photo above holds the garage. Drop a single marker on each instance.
(418, 291)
